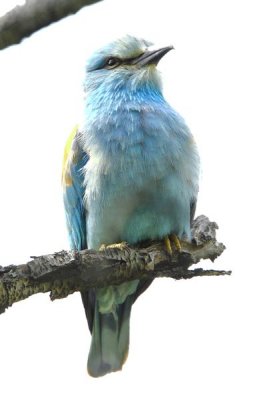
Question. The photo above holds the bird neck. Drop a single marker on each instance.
(104, 103)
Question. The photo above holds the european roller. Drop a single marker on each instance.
(130, 173)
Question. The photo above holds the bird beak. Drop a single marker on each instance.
(150, 57)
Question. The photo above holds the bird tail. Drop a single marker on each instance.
(110, 339)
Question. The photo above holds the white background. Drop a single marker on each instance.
(197, 339)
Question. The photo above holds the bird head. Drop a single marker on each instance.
(126, 63)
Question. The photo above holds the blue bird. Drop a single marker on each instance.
(130, 173)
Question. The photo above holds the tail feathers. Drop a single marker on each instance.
(110, 340)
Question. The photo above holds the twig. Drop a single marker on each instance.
(24, 20)
(66, 272)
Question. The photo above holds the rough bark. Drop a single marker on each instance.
(24, 20)
(66, 272)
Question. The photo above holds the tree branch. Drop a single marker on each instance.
(66, 272)
(24, 20)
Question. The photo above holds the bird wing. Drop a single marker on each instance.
(73, 191)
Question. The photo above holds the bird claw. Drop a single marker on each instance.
(172, 239)
(176, 242)
(120, 246)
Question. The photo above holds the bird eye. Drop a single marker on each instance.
(112, 62)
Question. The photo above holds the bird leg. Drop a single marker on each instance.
(169, 240)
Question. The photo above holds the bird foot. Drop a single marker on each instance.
(172, 239)
(120, 246)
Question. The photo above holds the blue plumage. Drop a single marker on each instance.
(135, 177)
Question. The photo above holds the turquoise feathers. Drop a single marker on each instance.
(133, 175)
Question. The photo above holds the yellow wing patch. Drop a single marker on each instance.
(68, 157)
